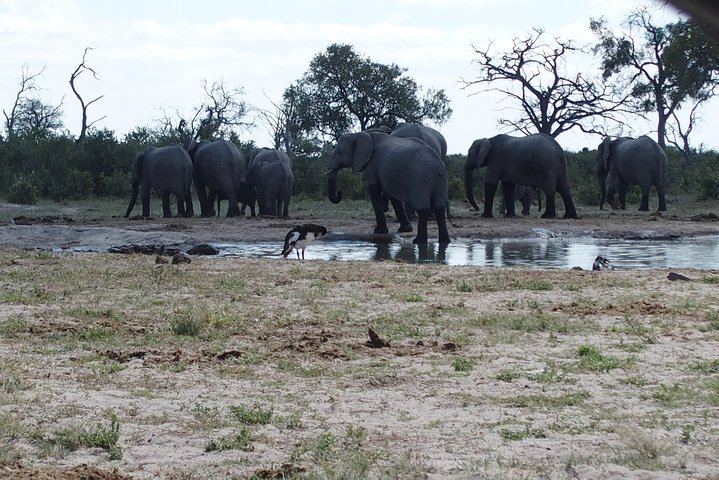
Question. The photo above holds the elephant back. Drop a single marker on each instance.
(429, 135)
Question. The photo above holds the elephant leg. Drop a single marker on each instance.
(550, 210)
(189, 209)
(490, 188)
(644, 204)
(508, 196)
(400, 211)
(180, 205)
(146, 201)
(233, 209)
(285, 208)
(421, 238)
(442, 225)
(662, 200)
(375, 196)
(623, 196)
(570, 211)
(166, 211)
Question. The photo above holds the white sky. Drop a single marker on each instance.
(155, 54)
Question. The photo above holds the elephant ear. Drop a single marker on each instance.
(604, 153)
(483, 152)
(362, 153)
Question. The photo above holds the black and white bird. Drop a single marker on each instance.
(300, 236)
(602, 263)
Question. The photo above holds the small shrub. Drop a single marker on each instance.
(251, 415)
(24, 190)
(242, 440)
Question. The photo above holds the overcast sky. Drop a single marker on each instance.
(151, 55)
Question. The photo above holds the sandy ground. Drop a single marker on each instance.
(481, 377)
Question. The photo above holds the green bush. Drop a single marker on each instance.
(115, 184)
(24, 190)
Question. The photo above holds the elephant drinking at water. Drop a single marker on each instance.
(167, 170)
(631, 161)
(535, 160)
(407, 169)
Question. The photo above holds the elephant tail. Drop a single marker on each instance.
(133, 196)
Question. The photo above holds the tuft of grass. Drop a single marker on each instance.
(463, 364)
(509, 434)
(507, 375)
(240, 440)
(591, 359)
(99, 436)
(251, 415)
(187, 325)
(535, 284)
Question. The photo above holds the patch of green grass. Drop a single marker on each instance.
(338, 457)
(507, 375)
(240, 440)
(463, 364)
(26, 295)
(705, 366)
(527, 323)
(13, 326)
(535, 284)
(251, 415)
(187, 325)
(641, 452)
(712, 322)
(549, 374)
(509, 434)
(545, 401)
(464, 287)
(207, 418)
(591, 359)
(642, 332)
(712, 279)
(671, 395)
(413, 298)
(99, 436)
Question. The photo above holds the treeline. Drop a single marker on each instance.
(56, 167)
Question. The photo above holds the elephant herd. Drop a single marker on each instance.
(406, 166)
(219, 172)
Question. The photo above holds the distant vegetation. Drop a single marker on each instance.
(58, 168)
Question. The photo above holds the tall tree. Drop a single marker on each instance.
(82, 68)
(34, 117)
(664, 67)
(342, 91)
(552, 100)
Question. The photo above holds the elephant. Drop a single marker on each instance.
(406, 169)
(269, 172)
(219, 172)
(167, 170)
(631, 161)
(534, 160)
(431, 137)
(525, 195)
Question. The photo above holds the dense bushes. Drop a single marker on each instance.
(56, 167)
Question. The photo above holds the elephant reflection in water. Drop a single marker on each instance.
(410, 253)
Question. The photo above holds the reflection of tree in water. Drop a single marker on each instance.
(539, 253)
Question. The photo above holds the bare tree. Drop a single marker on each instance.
(28, 83)
(79, 71)
(221, 112)
(679, 131)
(551, 100)
(276, 121)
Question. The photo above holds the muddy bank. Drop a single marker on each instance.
(66, 233)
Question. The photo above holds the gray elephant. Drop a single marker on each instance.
(407, 169)
(167, 170)
(525, 195)
(219, 172)
(431, 137)
(269, 172)
(631, 161)
(535, 160)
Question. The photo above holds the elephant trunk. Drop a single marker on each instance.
(133, 197)
(468, 187)
(333, 194)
